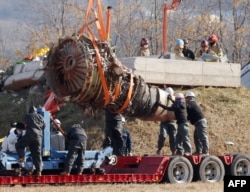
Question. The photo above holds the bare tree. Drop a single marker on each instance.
(129, 20)
(134, 19)
(240, 13)
(48, 23)
(4, 61)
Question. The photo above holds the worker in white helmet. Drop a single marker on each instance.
(196, 118)
(183, 144)
(15, 133)
(167, 128)
(57, 139)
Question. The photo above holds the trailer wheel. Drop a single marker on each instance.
(211, 169)
(240, 165)
(179, 170)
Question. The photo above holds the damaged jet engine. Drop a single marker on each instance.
(87, 73)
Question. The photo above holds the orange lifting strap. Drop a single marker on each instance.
(99, 66)
(117, 92)
(126, 103)
(101, 30)
(99, 19)
(90, 4)
(102, 35)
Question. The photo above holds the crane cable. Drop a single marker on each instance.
(103, 37)
(100, 28)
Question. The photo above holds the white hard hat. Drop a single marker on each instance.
(123, 120)
(56, 121)
(169, 90)
(179, 96)
(190, 94)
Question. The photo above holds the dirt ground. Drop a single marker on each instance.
(189, 187)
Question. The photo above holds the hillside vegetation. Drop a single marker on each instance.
(226, 110)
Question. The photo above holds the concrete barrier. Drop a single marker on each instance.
(185, 72)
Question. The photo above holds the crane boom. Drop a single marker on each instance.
(173, 7)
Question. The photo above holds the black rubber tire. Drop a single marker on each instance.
(240, 165)
(179, 170)
(211, 169)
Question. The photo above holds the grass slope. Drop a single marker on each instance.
(226, 110)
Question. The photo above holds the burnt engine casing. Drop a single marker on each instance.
(72, 73)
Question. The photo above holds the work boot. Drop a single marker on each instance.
(158, 152)
(197, 153)
(206, 153)
(79, 172)
(30, 171)
(178, 153)
(173, 152)
(64, 173)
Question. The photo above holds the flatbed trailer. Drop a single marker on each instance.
(149, 169)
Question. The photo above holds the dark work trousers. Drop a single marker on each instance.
(34, 142)
(167, 129)
(183, 144)
(200, 136)
(76, 153)
(113, 130)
